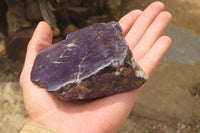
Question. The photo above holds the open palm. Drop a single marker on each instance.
(143, 32)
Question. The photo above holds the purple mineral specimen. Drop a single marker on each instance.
(92, 62)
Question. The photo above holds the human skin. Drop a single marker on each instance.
(143, 32)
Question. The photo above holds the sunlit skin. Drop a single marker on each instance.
(143, 32)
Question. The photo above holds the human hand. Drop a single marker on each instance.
(142, 31)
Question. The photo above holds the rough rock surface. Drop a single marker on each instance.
(92, 62)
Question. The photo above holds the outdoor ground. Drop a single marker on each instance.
(186, 15)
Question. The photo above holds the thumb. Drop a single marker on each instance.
(42, 37)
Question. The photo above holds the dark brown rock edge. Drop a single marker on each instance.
(90, 63)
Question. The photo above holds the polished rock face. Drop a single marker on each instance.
(91, 62)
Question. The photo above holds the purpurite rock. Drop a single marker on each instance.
(91, 62)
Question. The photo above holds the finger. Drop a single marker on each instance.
(142, 23)
(155, 54)
(128, 20)
(151, 35)
(41, 38)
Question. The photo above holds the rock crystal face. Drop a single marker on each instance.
(90, 63)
